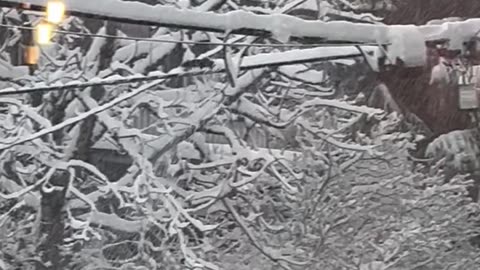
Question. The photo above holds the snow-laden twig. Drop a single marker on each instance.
(235, 142)
(289, 188)
(274, 258)
(206, 111)
(4, 217)
(311, 104)
(332, 141)
(290, 6)
(248, 63)
(26, 190)
(145, 165)
(257, 113)
(81, 117)
(114, 222)
(31, 113)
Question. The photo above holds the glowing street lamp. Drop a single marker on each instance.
(43, 33)
(55, 11)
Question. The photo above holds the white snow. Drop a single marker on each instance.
(254, 61)
(444, 20)
(11, 72)
(290, 25)
(303, 73)
(93, 54)
(327, 9)
(141, 47)
(340, 105)
(440, 74)
(156, 53)
(346, 62)
(408, 44)
(406, 41)
(299, 55)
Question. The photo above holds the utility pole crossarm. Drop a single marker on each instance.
(242, 22)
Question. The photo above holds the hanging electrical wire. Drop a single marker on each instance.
(205, 43)
(183, 71)
(114, 80)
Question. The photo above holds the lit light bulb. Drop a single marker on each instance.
(43, 33)
(31, 55)
(55, 11)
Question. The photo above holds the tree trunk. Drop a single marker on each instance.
(52, 222)
(52, 204)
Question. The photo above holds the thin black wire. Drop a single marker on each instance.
(107, 82)
(282, 45)
(178, 73)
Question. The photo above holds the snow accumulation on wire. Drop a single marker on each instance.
(298, 56)
(278, 24)
(405, 40)
(249, 62)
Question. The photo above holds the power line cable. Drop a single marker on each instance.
(178, 72)
(114, 80)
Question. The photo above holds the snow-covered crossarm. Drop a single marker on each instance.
(249, 62)
(280, 25)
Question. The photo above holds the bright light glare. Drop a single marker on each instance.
(43, 33)
(55, 11)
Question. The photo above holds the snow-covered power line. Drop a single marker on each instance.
(155, 40)
(281, 26)
(291, 57)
